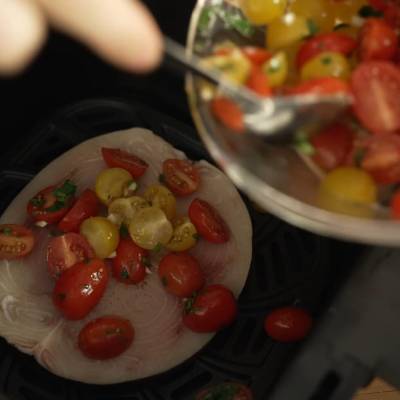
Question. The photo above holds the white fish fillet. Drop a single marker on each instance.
(28, 318)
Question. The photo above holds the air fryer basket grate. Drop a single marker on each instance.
(288, 266)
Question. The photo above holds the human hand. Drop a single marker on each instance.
(121, 31)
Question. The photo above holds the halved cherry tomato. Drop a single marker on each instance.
(181, 176)
(327, 85)
(209, 224)
(257, 55)
(106, 337)
(378, 40)
(376, 90)
(212, 309)
(129, 263)
(332, 146)
(65, 251)
(116, 158)
(258, 82)
(288, 324)
(181, 274)
(395, 205)
(52, 203)
(228, 113)
(86, 206)
(15, 241)
(80, 288)
(332, 42)
(226, 391)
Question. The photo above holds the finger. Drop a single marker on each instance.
(121, 31)
(22, 32)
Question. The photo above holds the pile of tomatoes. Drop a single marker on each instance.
(114, 228)
(328, 47)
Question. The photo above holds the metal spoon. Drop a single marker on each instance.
(272, 117)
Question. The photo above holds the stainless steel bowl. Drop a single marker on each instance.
(276, 177)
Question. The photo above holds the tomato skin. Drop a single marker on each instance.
(257, 55)
(117, 158)
(333, 42)
(239, 392)
(181, 274)
(65, 251)
(332, 146)
(228, 113)
(288, 324)
(128, 265)
(327, 85)
(209, 224)
(258, 82)
(376, 90)
(181, 176)
(86, 206)
(16, 241)
(80, 288)
(106, 337)
(395, 205)
(378, 40)
(213, 308)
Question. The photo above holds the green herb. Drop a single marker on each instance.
(196, 236)
(7, 231)
(224, 391)
(157, 247)
(368, 11)
(312, 27)
(234, 19)
(161, 178)
(206, 17)
(272, 69)
(58, 205)
(359, 156)
(123, 231)
(65, 192)
(302, 144)
(341, 26)
(146, 262)
(326, 60)
(37, 201)
(188, 304)
(124, 273)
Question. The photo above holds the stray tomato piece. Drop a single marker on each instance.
(228, 113)
(15, 241)
(257, 55)
(258, 82)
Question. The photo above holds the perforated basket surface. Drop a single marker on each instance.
(289, 266)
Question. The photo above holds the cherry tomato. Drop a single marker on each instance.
(327, 85)
(181, 176)
(276, 69)
(258, 82)
(65, 251)
(378, 40)
(86, 206)
(288, 324)
(228, 113)
(129, 263)
(333, 41)
(395, 205)
(226, 391)
(124, 209)
(212, 309)
(208, 222)
(181, 274)
(106, 337)
(184, 236)
(257, 55)
(376, 90)
(332, 146)
(161, 197)
(80, 288)
(116, 158)
(15, 241)
(111, 184)
(262, 12)
(52, 203)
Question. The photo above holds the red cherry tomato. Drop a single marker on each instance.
(376, 90)
(15, 241)
(333, 41)
(181, 176)
(257, 55)
(258, 82)
(181, 274)
(379, 5)
(227, 391)
(378, 40)
(116, 158)
(86, 206)
(129, 263)
(395, 205)
(332, 146)
(106, 337)
(80, 288)
(211, 310)
(288, 324)
(65, 251)
(228, 113)
(320, 86)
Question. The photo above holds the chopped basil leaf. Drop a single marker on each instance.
(326, 60)
(37, 201)
(123, 231)
(58, 205)
(341, 26)
(7, 231)
(161, 178)
(303, 145)
(234, 19)
(312, 27)
(65, 192)
(196, 236)
(205, 19)
(157, 247)
(272, 69)
(359, 156)
(369, 11)
(124, 273)
(146, 262)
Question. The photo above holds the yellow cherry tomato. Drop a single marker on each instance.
(112, 183)
(101, 234)
(261, 12)
(161, 197)
(287, 30)
(276, 68)
(122, 210)
(150, 228)
(326, 64)
(314, 10)
(184, 236)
